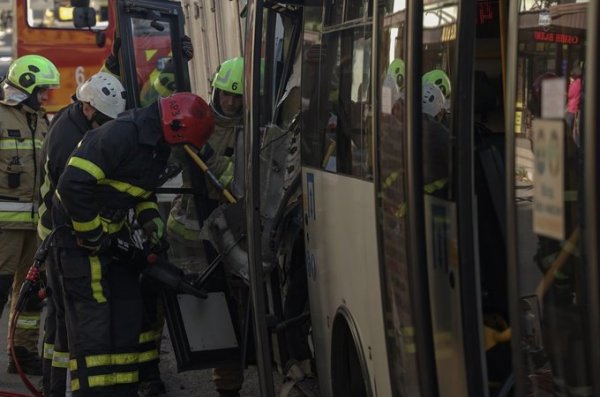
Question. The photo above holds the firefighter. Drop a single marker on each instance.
(440, 79)
(436, 141)
(99, 99)
(112, 171)
(22, 129)
(182, 225)
(161, 83)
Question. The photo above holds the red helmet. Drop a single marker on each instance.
(186, 118)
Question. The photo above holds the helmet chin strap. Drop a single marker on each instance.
(32, 101)
(100, 118)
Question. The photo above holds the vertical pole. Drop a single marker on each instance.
(252, 193)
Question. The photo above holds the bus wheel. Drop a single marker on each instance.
(349, 374)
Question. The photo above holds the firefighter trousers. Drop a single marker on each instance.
(17, 249)
(103, 316)
(56, 351)
(152, 325)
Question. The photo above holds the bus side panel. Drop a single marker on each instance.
(73, 51)
(342, 268)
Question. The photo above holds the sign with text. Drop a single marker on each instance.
(548, 191)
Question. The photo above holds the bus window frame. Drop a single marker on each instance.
(166, 13)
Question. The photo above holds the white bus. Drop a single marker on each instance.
(446, 257)
(448, 245)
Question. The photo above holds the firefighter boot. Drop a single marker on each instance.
(30, 362)
(5, 283)
(228, 393)
(151, 388)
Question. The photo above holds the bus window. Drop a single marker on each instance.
(58, 14)
(391, 193)
(153, 59)
(548, 158)
(343, 136)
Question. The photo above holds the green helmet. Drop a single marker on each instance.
(439, 78)
(230, 76)
(32, 71)
(396, 70)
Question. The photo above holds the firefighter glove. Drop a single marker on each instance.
(94, 244)
(187, 47)
(154, 230)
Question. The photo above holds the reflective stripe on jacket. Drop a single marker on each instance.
(66, 131)
(115, 167)
(22, 131)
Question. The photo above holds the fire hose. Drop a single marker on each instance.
(155, 267)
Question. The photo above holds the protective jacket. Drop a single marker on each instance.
(218, 154)
(114, 169)
(22, 131)
(66, 130)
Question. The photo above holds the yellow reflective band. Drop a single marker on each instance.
(73, 365)
(74, 384)
(150, 355)
(125, 187)
(87, 166)
(87, 226)
(45, 188)
(48, 351)
(96, 285)
(28, 322)
(227, 175)
(18, 217)
(125, 358)
(435, 185)
(145, 205)
(148, 336)
(109, 227)
(98, 360)
(113, 379)
(408, 331)
(60, 360)
(42, 230)
(15, 144)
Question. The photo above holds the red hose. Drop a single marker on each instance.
(26, 381)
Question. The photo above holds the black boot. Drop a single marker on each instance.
(6, 281)
(228, 393)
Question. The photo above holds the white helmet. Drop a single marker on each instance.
(433, 99)
(104, 92)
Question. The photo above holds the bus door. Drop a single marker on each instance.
(47, 28)
(203, 332)
(552, 183)
(434, 189)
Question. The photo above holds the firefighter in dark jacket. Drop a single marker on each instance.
(99, 99)
(113, 170)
